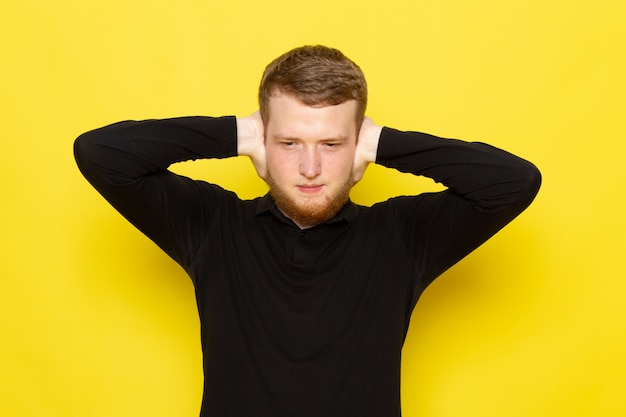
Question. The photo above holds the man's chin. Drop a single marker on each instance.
(311, 210)
(308, 214)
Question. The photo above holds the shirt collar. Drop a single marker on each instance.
(266, 204)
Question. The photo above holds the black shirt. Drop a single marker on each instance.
(304, 323)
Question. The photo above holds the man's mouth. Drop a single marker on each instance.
(309, 188)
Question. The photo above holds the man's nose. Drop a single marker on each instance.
(310, 163)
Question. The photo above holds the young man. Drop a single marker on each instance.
(304, 297)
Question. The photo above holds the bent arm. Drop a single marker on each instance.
(128, 162)
(486, 189)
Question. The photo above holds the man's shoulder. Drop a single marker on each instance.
(396, 208)
(224, 199)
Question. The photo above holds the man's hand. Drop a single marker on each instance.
(366, 147)
(251, 141)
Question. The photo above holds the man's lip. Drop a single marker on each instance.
(309, 188)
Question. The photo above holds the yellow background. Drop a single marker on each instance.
(96, 321)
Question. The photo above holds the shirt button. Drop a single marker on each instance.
(303, 234)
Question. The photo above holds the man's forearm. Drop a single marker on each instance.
(488, 176)
(124, 151)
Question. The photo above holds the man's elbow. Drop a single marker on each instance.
(83, 149)
(529, 183)
(533, 180)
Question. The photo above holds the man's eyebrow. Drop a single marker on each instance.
(284, 137)
(340, 138)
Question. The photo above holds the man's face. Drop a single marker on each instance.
(310, 154)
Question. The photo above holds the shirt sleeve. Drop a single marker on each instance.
(486, 189)
(127, 162)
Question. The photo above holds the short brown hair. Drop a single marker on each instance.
(317, 76)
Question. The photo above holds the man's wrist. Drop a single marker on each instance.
(370, 137)
(247, 135)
